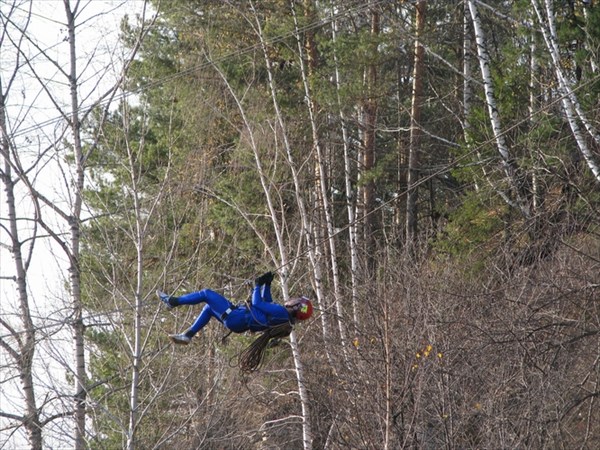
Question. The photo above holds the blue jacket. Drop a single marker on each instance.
(260, 315)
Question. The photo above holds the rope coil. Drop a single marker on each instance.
(251, 358)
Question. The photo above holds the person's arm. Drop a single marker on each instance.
(262, 300)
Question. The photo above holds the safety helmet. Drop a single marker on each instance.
(301, 307)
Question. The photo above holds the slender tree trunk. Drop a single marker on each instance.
(389, 382)
(570, 104)
(369, 126)
(467, 76)
(321, 168)
(136, 346)
(349, 185)
(307, 434)
(415, 128)
(25, 352)
(589, 46)
(508, 163)
(75, 230)
(536, 187)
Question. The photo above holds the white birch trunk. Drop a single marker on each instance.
(307, 436)
(415, 130)
(532, 108)
(594, 52)
(137, 346)
(570, 104)
(566, 85)
(21, 354)
(69, 241)
(284, 262)
(80, 393)
(508, 162)
(350, 192)
(321, 168)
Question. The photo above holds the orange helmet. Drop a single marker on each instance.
(301, 308)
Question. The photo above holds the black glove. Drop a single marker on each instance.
(265, 279)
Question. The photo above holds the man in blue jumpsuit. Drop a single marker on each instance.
(260, 315)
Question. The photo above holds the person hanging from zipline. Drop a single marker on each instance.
(261, 314)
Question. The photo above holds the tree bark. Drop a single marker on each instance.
(348, 183)
(78, 328)
(307, 434)
(509, 164)
(320, 169)
(369, 126)
(570, 104)
(23, 355)
(282, 256)
(415, 128)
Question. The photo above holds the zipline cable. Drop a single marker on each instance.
(356, 8)
(444, 169)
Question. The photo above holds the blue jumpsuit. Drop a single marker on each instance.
(260, 315)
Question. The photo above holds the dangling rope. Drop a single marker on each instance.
(251, 358)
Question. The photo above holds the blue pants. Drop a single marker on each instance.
(216, 305)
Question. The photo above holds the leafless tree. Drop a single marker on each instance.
(576, 116)
(415, 130)
(52, 69)
(327, 236)
(508, 162)
(350, 192)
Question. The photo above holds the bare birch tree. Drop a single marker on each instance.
(60, 219)
(321, 170)
(280, 256)
(415, 127)
(574, 113)
(508, 162)
(137, 340)
(22, 349)
(349, 189)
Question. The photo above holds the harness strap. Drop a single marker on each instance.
(225, 337)
(226, 313)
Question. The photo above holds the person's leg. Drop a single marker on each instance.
(217, 302)
(193, 298)
(215, 306)
(201, 321)
(212, 298)
(262, 300)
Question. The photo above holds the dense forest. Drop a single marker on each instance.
(427, 173)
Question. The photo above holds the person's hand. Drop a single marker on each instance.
(265, 279)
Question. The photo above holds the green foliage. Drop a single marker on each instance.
(473, 226)
(184, 143)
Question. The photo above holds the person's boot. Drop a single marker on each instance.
(181, 339)
(168, 300)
